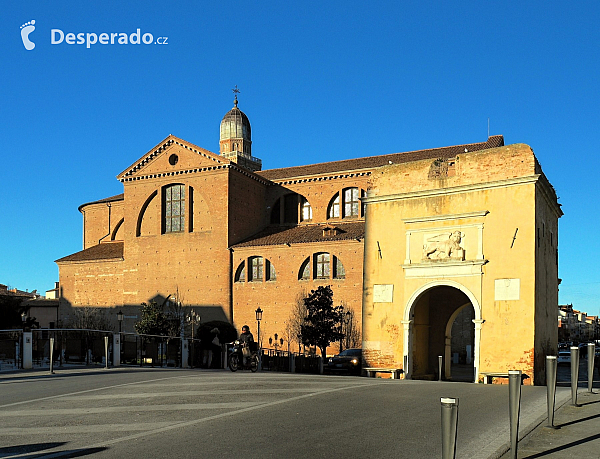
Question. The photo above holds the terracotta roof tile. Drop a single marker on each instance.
(377, 161)
(276, 235)
(104, 251)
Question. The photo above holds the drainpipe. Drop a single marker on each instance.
(108, 234)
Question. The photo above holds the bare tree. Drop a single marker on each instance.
(352, 331)
(89, 318)
(293, 324)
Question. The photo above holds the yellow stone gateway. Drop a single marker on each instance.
(461, 261)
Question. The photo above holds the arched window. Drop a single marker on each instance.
(338, 269)
(174, 208)
(305, 210)
(334, 207)
(260, 269)
(304, 273)
(325, 266)
(291, 209)
(240, 273)
(271, 275)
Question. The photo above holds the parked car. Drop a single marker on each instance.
(563, 357)
(349, 361)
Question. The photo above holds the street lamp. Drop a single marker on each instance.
(120, 319)
(347, 320)
(193, 318)
(341, 326)
(259, 313)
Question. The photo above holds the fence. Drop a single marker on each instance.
(10, 349)
(276, 360)
(87, 347)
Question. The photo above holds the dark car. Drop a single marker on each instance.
(348, 361)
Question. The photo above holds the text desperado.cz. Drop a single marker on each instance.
(57, 37)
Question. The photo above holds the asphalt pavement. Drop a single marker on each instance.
(174, 413)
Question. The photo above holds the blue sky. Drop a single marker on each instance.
(320, 81)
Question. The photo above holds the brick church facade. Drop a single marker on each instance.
(221, 235)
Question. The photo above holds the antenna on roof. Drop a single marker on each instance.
(488, 126)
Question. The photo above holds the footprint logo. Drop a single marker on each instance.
(26, 29)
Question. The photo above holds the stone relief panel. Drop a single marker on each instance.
(444, 246)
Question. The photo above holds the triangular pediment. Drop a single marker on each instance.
(172, 155)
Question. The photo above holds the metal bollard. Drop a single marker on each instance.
(51, 356)
(440, 367)
(574, 374)
(106, 351)
(591, 351)
(551, 388)
(514, 406)
(449, 427)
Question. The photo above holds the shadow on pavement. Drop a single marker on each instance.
(35, 450)
(578, 420)
(564, 447)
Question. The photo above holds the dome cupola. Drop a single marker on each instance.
(235, 141)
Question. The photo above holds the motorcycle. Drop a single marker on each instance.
(241, 358)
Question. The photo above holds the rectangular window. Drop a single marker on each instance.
(351, 202)
(174, 203)
(257, 269)
(322, 266)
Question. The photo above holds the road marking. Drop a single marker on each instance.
(125, 409)
(93, 429)
(180, 425)
(87, 391)
(194, 393)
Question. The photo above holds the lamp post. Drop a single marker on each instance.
(341, 326)
(193, 318)
(259, 313)
(347, 318)
(120, 319)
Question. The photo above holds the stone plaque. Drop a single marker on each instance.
(507, 289)
(383, 293)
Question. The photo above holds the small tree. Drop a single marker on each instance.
(153, 320)
(321, 325)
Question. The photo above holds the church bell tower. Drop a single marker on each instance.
(235, 141)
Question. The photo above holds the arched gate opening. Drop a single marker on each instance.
(442, 322)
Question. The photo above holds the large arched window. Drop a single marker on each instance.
(259, 270)
(174, 208)
(349, 207)
(291, 209)
(324, 266)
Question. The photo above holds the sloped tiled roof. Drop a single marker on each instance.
(276, 235)
(117, 197)
(104, 251)
(371, 162)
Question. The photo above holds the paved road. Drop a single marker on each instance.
(218, 414)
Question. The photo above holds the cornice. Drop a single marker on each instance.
(320, 178)
(453, 190)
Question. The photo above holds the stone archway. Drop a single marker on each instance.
(428, 314)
